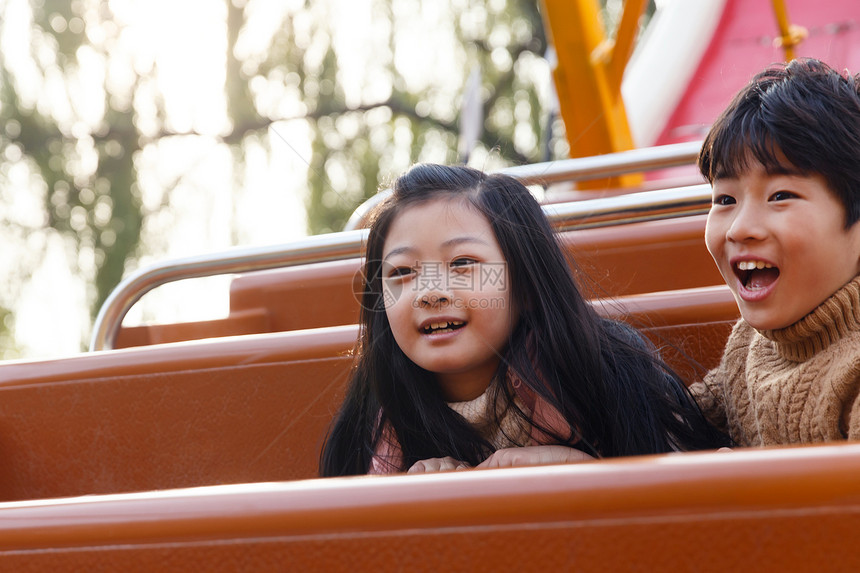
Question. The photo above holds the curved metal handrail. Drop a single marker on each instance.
(315, 249)
(630, 208)
(576, 169)
(641, 206)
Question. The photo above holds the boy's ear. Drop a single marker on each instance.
(854, 231)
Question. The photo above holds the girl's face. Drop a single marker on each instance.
(447, 294)
(781, 244)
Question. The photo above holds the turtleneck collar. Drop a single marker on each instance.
(498, 423)
(476, 411)
(830, 321)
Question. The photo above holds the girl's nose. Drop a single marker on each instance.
(432, 293)
(432, 286)
(434, 298)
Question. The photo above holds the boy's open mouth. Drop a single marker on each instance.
(756, 274)
(443, 326)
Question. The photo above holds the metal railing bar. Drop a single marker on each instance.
(608, 165)
(641, 206)
(315, 249)
(577, 169)
(621, 209)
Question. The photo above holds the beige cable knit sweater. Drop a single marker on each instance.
(502, 429)
(799, 384)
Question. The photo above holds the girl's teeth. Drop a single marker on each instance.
(442, 325)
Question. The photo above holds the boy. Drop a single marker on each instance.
(784, 164)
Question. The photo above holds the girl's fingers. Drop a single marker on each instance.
(534, 455)
(437, 465)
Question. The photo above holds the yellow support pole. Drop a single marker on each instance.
(588, 78)
(790, 35)
(624, 43)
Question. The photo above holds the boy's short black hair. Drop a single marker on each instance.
(802, 117)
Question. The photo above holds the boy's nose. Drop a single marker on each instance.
(748, 224)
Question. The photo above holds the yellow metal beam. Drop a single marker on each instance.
(588, 76)
(624, 42)
(790, 35)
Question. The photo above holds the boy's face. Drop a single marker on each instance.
(780, 243)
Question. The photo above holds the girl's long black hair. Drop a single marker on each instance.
(608, 383)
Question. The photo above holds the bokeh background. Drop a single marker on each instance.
(133, 131)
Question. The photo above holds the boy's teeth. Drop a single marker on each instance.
(753, 265)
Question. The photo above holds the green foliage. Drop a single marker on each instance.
(86, 171)
(504, 39)
(8, 347)
(367, 120)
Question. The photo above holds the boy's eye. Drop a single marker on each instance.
(724, 200)
(782, 196)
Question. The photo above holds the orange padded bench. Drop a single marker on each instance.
(793, 509)
(232, 410)
(612, 261)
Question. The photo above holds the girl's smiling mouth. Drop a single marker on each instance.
(755, 274)
(441, 326)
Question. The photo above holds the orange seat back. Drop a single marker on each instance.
(611, 261)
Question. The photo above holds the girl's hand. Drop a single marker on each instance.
(445, 464)
(533, 456)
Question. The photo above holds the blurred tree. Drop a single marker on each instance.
(376, 84)
(361, 140)
(82, 168)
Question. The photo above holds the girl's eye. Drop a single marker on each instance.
(463, 262)
(399, 272)
(782, 196)
(724, 200)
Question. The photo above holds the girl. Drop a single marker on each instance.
(477, 349)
